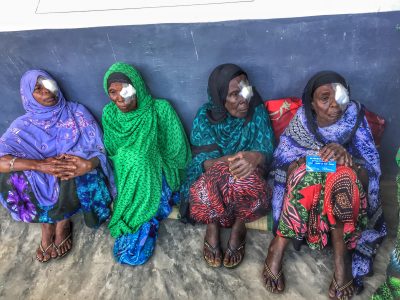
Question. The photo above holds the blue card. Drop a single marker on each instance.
(314, 163)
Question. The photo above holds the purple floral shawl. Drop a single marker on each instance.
(297, 141)
(67, 127)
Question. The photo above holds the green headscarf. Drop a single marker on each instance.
(142, 144)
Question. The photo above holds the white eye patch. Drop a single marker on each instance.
(49, 84)
(246, 90)
(127, 92)
(341, 95)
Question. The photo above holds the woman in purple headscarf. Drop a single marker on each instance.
(53, 164)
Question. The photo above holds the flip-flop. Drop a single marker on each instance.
(214, 251)
(44, 252)
(340, 289)
(275, 278)
(68, 237)
(234, 252)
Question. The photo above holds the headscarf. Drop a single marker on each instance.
(353, 133)
(143, 144)
(65, 128)
(216, 133)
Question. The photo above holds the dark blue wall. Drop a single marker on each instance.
(176, 59)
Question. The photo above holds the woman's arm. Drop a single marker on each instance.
(50, 165)
(9, 163)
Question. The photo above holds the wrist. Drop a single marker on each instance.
(34, 165)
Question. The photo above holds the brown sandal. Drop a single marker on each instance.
(340, 289)
(69, 237)
(274, 277)
(233, 252)
(44, 252)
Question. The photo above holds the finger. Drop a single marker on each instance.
(65, 167)
(236, 164)
(236, 167)
(245, 175)
(60, 156)
(242, 171)
(328, 154)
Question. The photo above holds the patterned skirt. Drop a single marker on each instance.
(315, 201)
(218, 197)
(87, 193)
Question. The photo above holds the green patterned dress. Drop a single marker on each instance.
(390, 289)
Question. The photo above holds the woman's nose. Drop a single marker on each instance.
(334, 103)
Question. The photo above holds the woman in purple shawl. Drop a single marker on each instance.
(53, 164)
(313, 207)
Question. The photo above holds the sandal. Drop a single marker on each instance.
(44, 252)
(57, 247)
(233, 252)
(214, 251)
(275, 278)
(340, 289)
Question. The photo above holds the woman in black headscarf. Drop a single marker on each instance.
(316, 206)
(232, 144)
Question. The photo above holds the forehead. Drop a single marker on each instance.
(115, 86)
(234, 83)
(324, 89)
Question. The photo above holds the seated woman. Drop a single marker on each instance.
(314, 206)
(233, 143)
(53, 164)
(148, 146)
(390, 289)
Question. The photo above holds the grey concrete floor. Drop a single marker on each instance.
(176, 271)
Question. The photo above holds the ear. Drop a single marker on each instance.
(312, 105)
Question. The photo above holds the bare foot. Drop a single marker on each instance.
(48, 251)
(236, 245)
(212, 250)
(272, 274)
(344, 288)
(63, 239)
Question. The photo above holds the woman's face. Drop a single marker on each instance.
(235, 104)
(43, 96)
(325, 105)
(114, 93)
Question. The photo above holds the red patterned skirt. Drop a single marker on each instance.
(315, 201)
(218, 197)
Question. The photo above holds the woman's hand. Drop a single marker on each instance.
(243, 163)
(294, 165)
(54, 166)
(336, 152)
(78, 166)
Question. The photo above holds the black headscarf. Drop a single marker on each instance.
(118, 77)
(319, 79)
(218, 86)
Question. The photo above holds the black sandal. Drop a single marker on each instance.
(214, 251)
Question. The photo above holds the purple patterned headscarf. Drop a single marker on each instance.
(65, 128)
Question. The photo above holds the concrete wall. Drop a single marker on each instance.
(176, 60)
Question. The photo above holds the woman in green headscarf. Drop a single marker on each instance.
(390, 289)
(149, 149)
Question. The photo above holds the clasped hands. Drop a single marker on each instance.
(65, 166)
(243, 163)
